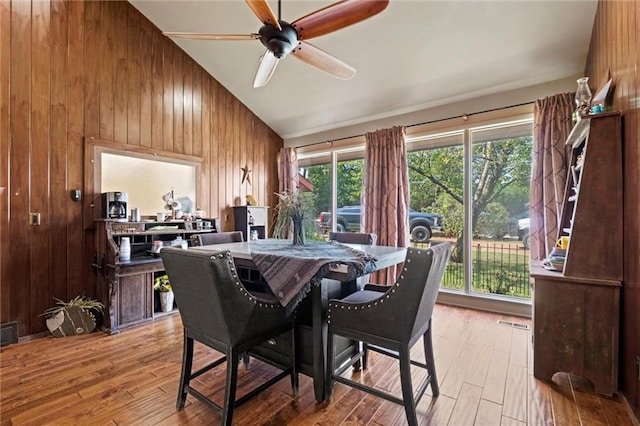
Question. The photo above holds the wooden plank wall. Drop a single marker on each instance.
(615, 47)
(71, 71)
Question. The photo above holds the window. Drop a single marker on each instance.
(436, 185)
(317, 171)
(475, 179)
(501, 173)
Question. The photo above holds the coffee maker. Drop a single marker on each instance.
(115, 205)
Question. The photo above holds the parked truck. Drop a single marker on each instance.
(422, 226)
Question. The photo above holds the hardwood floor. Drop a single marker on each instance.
(484, 369)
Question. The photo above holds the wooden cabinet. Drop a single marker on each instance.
(576, 311)
(125, 287)
(575, 327)
(135, 301)
(251, 218)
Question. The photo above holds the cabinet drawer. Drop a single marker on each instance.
(277, 349)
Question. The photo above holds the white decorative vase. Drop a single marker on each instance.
(166, 301)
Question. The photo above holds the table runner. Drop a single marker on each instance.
(290, 270)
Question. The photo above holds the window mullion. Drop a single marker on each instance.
(334, 190)
(467, 240)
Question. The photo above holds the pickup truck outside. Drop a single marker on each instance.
(523, 231)
(422, 226)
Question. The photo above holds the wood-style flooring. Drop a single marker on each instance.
(484, 369)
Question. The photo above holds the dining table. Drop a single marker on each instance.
(333, 282)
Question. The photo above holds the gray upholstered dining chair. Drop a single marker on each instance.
(210, 238)
(364, 238)
(391, 323)
(220, 313)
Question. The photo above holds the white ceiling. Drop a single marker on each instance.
(416, 54)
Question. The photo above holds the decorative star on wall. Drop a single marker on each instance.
(245, 174)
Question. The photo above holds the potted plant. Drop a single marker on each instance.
(163, 286)
(80, 315)
(291, 210)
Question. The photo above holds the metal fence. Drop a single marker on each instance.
(500, 268)
(497, 268)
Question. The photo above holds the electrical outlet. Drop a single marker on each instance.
(34, 219)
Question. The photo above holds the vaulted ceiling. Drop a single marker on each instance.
(416, 54)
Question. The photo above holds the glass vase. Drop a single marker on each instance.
(583, 96)
(298, 231)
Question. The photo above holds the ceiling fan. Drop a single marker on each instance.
(281, 38)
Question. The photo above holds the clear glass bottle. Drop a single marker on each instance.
(583, 96)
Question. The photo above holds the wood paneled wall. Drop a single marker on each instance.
(615, 48)
(71, 71)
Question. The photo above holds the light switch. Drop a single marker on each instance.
(34, 219)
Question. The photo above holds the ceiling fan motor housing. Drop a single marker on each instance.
(280, 43)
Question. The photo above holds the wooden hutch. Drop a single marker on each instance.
(125, 287)
(576, 310)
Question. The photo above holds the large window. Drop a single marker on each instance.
(501, 172)
(473, 179)
(436, 185)
(478, 180)
(317, 171)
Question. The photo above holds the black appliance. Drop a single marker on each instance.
(115, 205)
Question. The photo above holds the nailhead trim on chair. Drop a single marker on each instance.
(245, 293)
(393, 289)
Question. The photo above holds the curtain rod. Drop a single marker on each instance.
(423, 123)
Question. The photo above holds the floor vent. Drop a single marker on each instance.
(514, 324)
(8, 333)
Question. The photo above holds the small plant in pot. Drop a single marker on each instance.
(80, 315)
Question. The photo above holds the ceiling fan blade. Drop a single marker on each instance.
(323, 61)
(337, 16)
(265, 70)
(264, 13)
(209, 36)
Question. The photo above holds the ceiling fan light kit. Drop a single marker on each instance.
(281, 38)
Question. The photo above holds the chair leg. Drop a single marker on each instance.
(185, 375)
(246, 360)
(330, 364)
(361, 363)
(430, 362)
(365, 355)
(230, 388)
(294, 361)
(407, 387)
